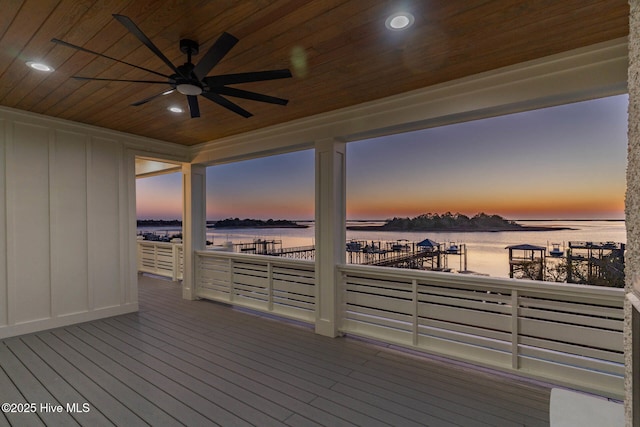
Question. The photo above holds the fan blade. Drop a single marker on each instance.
(256, 76)
(239, 93)
(227, 104)
(133, 29)
(151, 98)
(119, 80)
(63, 43)
(193, 106)
(220, 48)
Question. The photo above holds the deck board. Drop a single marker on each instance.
(55, 384)
(11, 394)
(156, 397)
(246, 376)
(226, 393)
(179, 362)
(502, 398)
(74, 369)
(179, 390)
(31, 387)
(479, 404)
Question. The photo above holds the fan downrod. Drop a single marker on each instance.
(191, 85)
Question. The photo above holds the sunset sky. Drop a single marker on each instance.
(561, 162)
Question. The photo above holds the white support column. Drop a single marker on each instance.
(632, 222)
(194, 223)
(330, 232)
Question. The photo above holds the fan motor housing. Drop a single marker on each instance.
(189, 47)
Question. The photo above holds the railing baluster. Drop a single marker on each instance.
(155, 259)
(176, 262)
(270, 286)
(197, 276)
(515, 330)
(231, 287)
(414, 285)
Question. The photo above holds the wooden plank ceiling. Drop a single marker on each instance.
(339, 51)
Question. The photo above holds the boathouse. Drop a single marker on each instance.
(527, 260)
(79, 326)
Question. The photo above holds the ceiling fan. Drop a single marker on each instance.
(192, 80)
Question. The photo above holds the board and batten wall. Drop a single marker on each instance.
(67, 223)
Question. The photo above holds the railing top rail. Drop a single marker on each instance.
(276, 260)
(490, 283)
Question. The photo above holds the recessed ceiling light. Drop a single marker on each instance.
(39, 66)
(176, 110)
(399, 21)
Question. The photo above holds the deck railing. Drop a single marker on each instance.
(562, 333)
(277, 285)
(161, 258)
(566, 334)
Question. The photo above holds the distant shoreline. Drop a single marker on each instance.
(231, 223)
(456, 230)
(210, 224)
(570, 220)
(258, 226)
(159, 223)
(224, 224)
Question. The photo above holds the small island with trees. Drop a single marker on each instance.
(257, 223)
(452, 222)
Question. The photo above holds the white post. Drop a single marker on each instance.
(194, 223)
(330, 232)
(632, 221)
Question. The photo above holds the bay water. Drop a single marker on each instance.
(486, 251)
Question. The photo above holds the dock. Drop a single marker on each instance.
(274, 248)
(424, 255)
(594, 263)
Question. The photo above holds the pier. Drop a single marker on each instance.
(579, 262)
(424, 255)
(527, 261)
(599, 263)
(274, 248)
(594, 263)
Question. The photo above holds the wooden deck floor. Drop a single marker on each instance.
(199, 363)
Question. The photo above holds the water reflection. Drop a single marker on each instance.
(486, 250)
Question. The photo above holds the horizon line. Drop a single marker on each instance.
(386, 219)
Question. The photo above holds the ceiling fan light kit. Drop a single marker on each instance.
(188, 89)
(192, 80)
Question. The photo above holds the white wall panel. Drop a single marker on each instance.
(104, 222)
(67, 222)
(28, 223)
(69, 260)
(3, 229)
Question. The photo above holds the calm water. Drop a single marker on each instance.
(486, 251)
